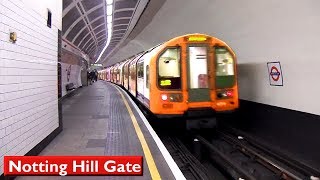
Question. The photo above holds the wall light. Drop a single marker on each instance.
(13, 37)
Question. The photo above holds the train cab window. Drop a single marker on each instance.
(169, 75)
(198, 67)
(225, 66)
(225, 74)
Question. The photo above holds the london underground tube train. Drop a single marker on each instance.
(189, 73)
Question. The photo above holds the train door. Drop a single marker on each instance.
(198, 79)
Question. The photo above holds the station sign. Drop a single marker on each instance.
(275, 74)
(73, 165)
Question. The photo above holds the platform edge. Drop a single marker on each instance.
(177, 173)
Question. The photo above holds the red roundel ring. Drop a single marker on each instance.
(274, 73)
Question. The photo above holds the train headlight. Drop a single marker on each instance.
(229, 93)
(225, 94)
(172, 97)
(164, 97)
(176, 97)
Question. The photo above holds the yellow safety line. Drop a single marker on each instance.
(147, 153)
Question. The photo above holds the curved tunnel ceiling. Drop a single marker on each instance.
(85, 24)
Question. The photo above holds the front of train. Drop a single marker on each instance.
(195, 75)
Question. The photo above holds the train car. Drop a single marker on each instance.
(187, 74)
(111, 73)
(105, 74)
(101, 74)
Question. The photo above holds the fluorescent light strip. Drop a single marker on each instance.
(109, 10)
(109, 2)
(109, 25)
(109, 19)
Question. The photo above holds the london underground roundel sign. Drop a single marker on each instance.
(275, 74)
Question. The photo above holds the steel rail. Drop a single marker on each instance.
(264, 161)
(294, 164)
(189, 163)
(243, 174)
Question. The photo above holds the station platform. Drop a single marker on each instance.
(101, 119)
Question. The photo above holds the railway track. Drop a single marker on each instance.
(189, 165)
(285, 161)
(244, 158)
(239, 157)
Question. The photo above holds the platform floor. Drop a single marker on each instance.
(96, 121)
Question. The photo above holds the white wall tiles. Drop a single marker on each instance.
(28, 74)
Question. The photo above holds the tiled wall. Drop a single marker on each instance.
(72, 67)
(28, 78)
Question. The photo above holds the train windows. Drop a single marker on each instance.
(224, 62)
(147, 77)
(225, 74)
(132, 72)
(198, 67)
(125, 71)
(140, 69)
(118, 75)
(169, 75)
